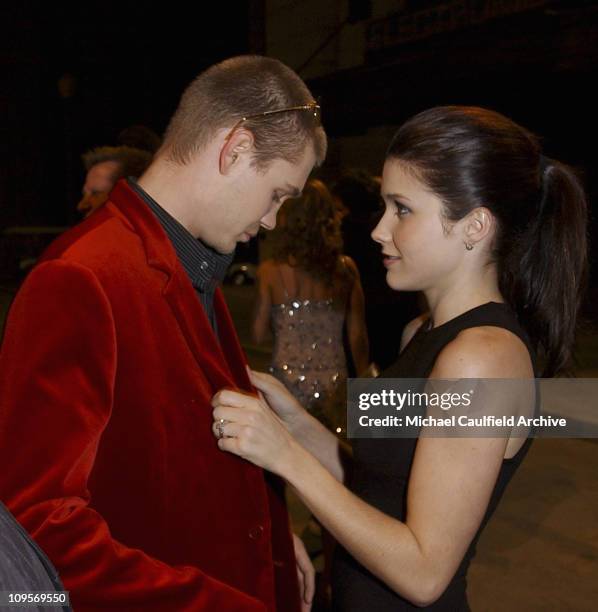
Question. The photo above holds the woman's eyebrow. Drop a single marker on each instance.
(395, 196)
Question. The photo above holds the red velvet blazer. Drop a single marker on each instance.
(107, 369)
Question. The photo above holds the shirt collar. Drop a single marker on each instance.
(204, 266)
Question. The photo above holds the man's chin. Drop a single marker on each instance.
(221, 247)
(225, 249)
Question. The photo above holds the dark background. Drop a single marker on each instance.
(128, 63)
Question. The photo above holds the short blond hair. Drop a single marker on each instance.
(241, 86)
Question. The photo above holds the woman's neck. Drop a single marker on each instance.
(448, 302)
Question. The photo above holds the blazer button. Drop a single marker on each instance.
(255, 533)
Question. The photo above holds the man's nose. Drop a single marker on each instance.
(268, 222)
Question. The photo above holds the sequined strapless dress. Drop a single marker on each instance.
(309, 357)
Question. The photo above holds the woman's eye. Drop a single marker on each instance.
(276, 198)
(402, 210)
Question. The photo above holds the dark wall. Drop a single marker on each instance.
(538, 68)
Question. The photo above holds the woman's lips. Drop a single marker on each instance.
(390, 259)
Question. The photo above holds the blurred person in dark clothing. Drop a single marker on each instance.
(104, 166)
(24, 567)
(387, 312)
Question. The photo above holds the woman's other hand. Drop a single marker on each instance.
(279, 398)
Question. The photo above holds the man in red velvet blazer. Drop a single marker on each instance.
(115, 345)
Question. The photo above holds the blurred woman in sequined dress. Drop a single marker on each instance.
(308, 294)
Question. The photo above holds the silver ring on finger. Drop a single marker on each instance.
(220, 428)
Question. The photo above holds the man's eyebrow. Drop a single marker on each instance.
(293, 191)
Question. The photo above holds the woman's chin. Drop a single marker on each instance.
(398, 283)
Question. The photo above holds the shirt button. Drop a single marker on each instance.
(255, 533)
(204, 265)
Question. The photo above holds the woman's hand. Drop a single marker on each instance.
(245, 426)
(279, 398)
(304, 428)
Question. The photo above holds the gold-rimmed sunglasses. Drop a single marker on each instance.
(312, 107)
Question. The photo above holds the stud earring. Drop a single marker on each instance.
(469, 246)
(235, 157)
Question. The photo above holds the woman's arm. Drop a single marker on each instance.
(356, 327)
(449, 488)
(261, 316)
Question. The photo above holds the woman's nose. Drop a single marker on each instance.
(380, 233)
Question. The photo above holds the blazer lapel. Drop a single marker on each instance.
(182, 298)
(197, 330)
(235, 355)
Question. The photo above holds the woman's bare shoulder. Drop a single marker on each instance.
(484, 352)
(349, 264)
(267, 267)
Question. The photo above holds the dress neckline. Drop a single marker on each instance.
(426, 329)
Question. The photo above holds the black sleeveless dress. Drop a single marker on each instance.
(381, 473)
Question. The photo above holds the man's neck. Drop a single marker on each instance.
(162, 183)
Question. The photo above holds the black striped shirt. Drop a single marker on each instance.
(204, 266)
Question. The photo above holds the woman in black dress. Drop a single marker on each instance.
(494, 234)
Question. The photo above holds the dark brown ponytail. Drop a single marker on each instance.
(544, 275)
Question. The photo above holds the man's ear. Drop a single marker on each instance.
(236, 149)
(479, 223)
